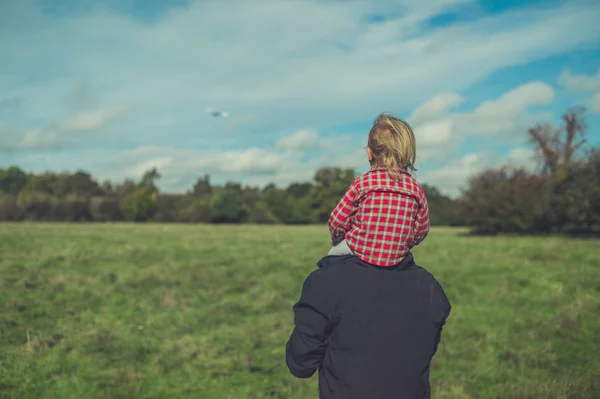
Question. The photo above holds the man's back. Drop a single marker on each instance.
(370, 331)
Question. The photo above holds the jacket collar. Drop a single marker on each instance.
(406, 263)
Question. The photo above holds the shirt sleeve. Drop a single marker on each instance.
(340, 219)
(306, 346)
(422, 222)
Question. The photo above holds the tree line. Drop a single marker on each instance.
(562, 196)
(74, 197)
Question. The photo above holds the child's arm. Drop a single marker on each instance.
(340, 219)
(422, 222)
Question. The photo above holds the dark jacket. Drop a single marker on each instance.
(370, 331)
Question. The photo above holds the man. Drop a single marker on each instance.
(370, 331)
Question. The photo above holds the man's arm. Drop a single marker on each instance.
(445, 309)
(439, 334)
(312, 317)
(339, 221)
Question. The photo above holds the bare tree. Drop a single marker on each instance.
(557, 147)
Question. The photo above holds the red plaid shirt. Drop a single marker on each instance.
(381, 218)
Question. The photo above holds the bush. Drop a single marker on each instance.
(76, 208)
(9, 211)
(503, 201)
(260, 214)
(12, 180)
(198, 211)
(442, 209)
(575, 202)
(105, 209)
(228, 207)
(299, 211)
(36, 205)
(170, 207)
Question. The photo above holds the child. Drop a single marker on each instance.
(384, 213)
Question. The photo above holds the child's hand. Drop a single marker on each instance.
(336, 238)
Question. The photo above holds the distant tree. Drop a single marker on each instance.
(36, 205)
(505, 201)
(202, 187)
(299, 210)
(107, 187)
(198, 211)
(170, 207)
(82, 184)
(46, 183)
(149, 179)
(106, 208)
(442, 209)
(260, 214)
(330, 184)
(9, 210)
(325, 177)
(276, 201)
(12, 180)
(227, 205)
(250, 196)
(558, 147)
(126, 187)
(575, 201)
(299, 190)
(75, 208)
(140, 205)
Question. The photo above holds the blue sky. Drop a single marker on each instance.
(118, 86)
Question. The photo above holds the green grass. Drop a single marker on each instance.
(170, 311)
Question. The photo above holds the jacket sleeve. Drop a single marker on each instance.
(313, 322)
(445, 309)
(439, 334)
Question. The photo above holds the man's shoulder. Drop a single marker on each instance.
(333, 270)
(331, 265)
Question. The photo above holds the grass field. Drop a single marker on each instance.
(170, 311)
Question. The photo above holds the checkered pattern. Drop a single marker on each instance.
(381, 218)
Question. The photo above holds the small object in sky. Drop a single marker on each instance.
(217, 114)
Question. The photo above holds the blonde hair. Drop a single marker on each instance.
(393, 145)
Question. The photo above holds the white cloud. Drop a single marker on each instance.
(440, 132)
(453, 176)
(501, 115)
(584, 84)
(302, 140)
(524, 157)
(92, 120)
(36, 138)
(435, 133)
(56, 135)
(435, 107)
